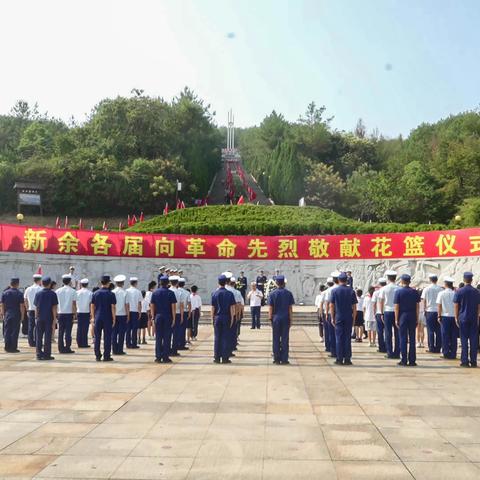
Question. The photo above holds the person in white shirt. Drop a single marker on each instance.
(67, 302)
(29, 297)
(254, 298)
(74, 282)
(84, 300)
(379, 317)
(185, 299)
(177, 327)
(146, 302)
(319, 305)
(429, 300)
(195, 312)
(369, 308)
(359, 321)
(386, 295)
(421, 324)
(446, 314)
(134, 301)
(122, 310)
(235, 329)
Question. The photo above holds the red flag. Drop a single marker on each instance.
(120, 226)
(104, 226)
(142, 217)
(182, 204)
(134, 220)
(57, 222)
(66, 222)
(178, 204)
(241, 200)
(80, 224)
(165, 210)
(253, 196)
(39, 270)
(129, 221)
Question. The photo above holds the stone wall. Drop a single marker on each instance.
(303, 277)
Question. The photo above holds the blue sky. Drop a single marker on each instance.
(394, 63)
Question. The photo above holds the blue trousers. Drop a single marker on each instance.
(221, 327)
(176, 333)
(255, 313)
(163, 337)
(449, 337)
(380, 333)
(195, 320)
(43, 338)
(333, 340)
(326, 332)
(183, 330)
(65, 324)
(469, 338)
(11, 330)
(391, 335)
(31, 327)
(343, 335)
(118, 333)
(83, 321)
(433, 332)
(132, 330)
(408, 326)
(280, 338)
(102, 326)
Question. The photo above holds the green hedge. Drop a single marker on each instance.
(267, 220)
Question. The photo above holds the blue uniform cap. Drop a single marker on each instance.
(468, 275)
(405, 277)
(14, 280)
(222, 278)
(46, 279)
(105, 278)
(342, 277)
(280, 278)
(164, 278)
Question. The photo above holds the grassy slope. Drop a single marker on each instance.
(267, 220)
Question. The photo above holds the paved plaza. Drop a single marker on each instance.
(75, 418)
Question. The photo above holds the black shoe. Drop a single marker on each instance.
(252, 328)
(122, 353)
(465, 365)
(232, 355)
(32, 345)
(401, 364)
(49, 358)
(338, 362)
(99, 359)
(40, 358)
(412, 364)
(136, 346)
(226, 360)
(347, 362)
(285, 363)
(332, 355)
(158, 360)
(108, 359)
(167, 360)
(473, 364)
(144, 342)
(70, 351)
(276, 362)
(216, 360)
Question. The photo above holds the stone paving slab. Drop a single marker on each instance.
(74, 418)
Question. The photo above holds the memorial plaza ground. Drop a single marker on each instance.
(74, 418)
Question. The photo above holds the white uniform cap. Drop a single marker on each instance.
(181, 279)
(67, 276)
(432, 275)
(84, 281)
(233, 279)
(382, 280)
(163, 267)
(37, 276)
(448, 279)
(330, 280)
(335, 274)
(119, 278)
(228, 275)
(134, 279)
(389, 273)
(174, 278)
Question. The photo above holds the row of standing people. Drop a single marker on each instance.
(392, 312)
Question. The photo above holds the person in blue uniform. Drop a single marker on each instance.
(280, 303)
(223, 317)
(406, 307)
(343, 309)
(102, 314)
(45, 302)
(466, 308)
(163, 311)
(261, 281)
(12, 311)
(242, 283)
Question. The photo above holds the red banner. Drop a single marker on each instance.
(454, 243)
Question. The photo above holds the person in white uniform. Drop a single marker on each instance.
(29, 297)
(386, 296)
(429, 300)
(122, 309)
(84, 300)
(67, 302)
(446, 314)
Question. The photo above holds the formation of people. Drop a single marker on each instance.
(396, 314)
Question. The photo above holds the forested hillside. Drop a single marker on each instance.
(126, 157)
(423, 178)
